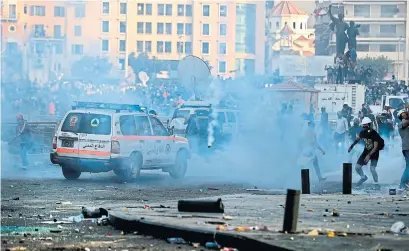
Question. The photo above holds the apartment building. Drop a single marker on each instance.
(52, 35)
(383, 31)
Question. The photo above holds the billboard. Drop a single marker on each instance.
(299, 66)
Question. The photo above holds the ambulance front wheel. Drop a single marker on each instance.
(70, 173)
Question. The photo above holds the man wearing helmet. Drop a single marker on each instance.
(404, 134)
(373, 143)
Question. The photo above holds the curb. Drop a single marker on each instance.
(143, 226)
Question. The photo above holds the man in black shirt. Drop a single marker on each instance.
(373, 143)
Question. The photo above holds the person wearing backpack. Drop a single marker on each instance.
(373, 144)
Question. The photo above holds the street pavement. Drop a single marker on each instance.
(31, 199)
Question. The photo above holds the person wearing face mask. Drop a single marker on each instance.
(404, 134)
(373, 144)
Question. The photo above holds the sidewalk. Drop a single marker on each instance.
(363, 224)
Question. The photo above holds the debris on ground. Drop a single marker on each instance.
(176, 240)
(195, 245)
(212, 245)
(205, 206)
(94, 212)
(75, 219)
(399, 228)
(103, 221)
(16, 198)
(227, 217)
(212, 189)
(313, 232)
(331, 234)
(81, 189)
(310, 210)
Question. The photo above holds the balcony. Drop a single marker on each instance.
(9, 17)
(380, 36)
(400, 17)
(39, 35)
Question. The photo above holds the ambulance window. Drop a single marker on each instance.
(221, 118)
(143, 127)
(87, 123)
(182, 114)
(231, 118)
(127, 124)
(158, 128)
(395, 103)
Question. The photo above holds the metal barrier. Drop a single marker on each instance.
(42, 136)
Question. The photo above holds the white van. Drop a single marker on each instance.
(100, 137)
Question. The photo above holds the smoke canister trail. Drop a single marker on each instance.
(216, 96)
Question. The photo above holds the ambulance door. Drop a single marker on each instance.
(144, 139)
(162, 141)
(68, 135)
(95, 136)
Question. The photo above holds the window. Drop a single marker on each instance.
(188, 29)
(80, 11)
(148, 11)
(39, 30)
(387, 48)
(105, 45)
(77, 49)
(277, 25)
(158, 128)
(148, 28)
(12, 11)
(363, 10)
(223, 29)
(168, 47)
(139, 28)
(230, 117)
(179, 46)
(389, 10)
(141, 9)
(365, 28)
(159, 28)
(222, 66)
(59, 11)
(78, 31)
(181, 10)
(148, 46)
(188, 47)
(57, 31)
(206, 10)
(205, 47)
(168, 10)
(300, 26)
(121, 63)
(58, 48)
(161, 9)
(83, 123)
(387, 29)
(122, 27)
(122, 45)
(294, 25)
(223, 10)
(168, 28)
(122, 8)
(25, 9)
(159, 47)
(37, 11)
(180, 29)
(127, 125)
(188, 9)
(105, 26)
(105, 7)
(139, 46)
(205, 29)
(222, 48)
(221, 118)
(362, 47)
(143, 127)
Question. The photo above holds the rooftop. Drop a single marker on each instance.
(286, 8)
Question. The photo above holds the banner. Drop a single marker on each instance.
(300, 66)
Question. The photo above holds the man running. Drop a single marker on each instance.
(373, 143)
(308, 154)
(404, 134)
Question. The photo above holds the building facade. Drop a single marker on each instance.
(52, 35)
(383, 31)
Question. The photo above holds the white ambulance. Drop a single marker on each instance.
(100, 137)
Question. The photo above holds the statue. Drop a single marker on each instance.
(352, 33)
(339, 26)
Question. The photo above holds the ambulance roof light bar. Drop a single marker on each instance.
(109, 106)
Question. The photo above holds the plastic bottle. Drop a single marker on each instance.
(76, 219)
(212, 245)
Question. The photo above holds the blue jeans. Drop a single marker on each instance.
(23, 153)
(405, 175)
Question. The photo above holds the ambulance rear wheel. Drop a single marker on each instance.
(70, 173)
(178, 171)
(131, 170)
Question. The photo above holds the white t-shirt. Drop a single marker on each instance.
(342, 125)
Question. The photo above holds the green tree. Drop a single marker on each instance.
(94, 69)
(380, 65)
